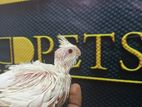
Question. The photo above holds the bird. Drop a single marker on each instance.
(37, 84)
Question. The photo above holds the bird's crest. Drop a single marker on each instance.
(64, 42)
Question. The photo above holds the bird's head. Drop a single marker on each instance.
(67, 54)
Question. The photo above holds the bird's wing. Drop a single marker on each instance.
(30, 85)
(8, 77)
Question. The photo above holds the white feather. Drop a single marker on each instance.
(64, 42)
(37, 84)
(32, 85)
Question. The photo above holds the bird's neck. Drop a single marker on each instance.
(64, 68)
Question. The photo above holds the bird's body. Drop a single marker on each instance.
(33, 85)
(37, 84)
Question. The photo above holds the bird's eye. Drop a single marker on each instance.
(70, 50)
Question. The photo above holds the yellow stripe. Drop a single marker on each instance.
(107, 79)
(11, 1)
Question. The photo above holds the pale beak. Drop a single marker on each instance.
(78, 52)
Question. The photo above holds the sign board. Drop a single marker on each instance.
(107, 32)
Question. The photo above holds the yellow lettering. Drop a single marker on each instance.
(23, 50)
(40, 52)
(98, 47)
(131, 50)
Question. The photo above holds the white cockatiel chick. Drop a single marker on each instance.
(37, 84)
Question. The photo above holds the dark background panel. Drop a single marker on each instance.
(53, 17)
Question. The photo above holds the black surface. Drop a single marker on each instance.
(51, 17)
